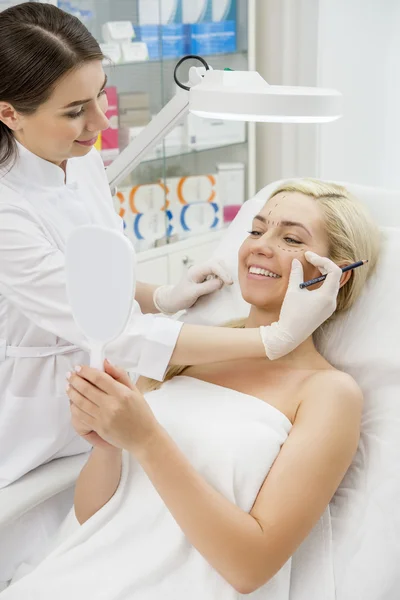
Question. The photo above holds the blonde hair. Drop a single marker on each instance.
(352, 233)
(352, 236)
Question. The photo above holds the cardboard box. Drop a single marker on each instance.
(231, 188)
(224, 10)
(194, 204)
(167, 41)
(196, 11)
(150, 14)
(204, 133)
(211, 38)
(144, 210)
(191, 189)
(109, 137)
(133, 101)
(230, 183)
(196, 218)
(134, 118)
(146, 198)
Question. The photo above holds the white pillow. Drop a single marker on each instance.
(227, 304)
(365, 342)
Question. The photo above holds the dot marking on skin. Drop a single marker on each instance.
(287, 250)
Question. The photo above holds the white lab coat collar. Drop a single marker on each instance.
(41, 172)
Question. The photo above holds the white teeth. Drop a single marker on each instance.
(259, 271)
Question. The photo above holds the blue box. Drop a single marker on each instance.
(149, 12)
(167, 41)
(196, 11)
(211, 38)
(224, 10)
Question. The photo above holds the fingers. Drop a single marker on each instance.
(86, 389)
(220, 269)
(327, 267)
(217, 267)
(87, 408)
(296, 275)
(209, 286)
(93, 384)
(118, 374)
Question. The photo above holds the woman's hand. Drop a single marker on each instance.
(77, 415)
(197, 281)
(110, 406)
(303, 310)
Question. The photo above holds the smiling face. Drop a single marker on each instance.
(67, 125)
(289, 224)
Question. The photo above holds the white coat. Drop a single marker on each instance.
(39, 341)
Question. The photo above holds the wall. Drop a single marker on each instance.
(359, 54)
(286, 54)
(350, 45)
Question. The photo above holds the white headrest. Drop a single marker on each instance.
(228, 304)
(365, 342)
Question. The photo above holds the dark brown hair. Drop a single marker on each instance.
(39, 44)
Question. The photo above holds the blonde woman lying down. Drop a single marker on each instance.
(204, 486)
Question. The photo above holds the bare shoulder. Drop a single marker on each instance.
(333, 400)
(335, 385)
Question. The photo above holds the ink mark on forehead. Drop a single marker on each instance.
(270, 213)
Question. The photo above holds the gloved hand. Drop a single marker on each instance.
(303, 311)
(197, 281)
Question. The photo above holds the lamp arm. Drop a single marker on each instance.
(172, 113)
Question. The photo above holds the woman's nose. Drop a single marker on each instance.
(98, 121)
(264, 245)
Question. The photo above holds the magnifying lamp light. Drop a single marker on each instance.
(229, 95)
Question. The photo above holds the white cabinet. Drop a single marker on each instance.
(180, 261)
(168, 263)
(153, 271)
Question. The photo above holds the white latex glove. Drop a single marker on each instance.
(303, 311)
(198, 280)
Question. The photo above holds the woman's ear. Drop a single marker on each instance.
(345, 276)
(9, 116)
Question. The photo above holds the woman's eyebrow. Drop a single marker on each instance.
(79, 102)
(295, 224)
(284, 223)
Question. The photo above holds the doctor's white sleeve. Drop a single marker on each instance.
(32, 278)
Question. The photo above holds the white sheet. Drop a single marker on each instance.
(365, 510)
(132, 548)
(365, 343)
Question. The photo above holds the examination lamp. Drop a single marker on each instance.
(229, 95)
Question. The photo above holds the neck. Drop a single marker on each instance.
(300, 356)
(20, 138)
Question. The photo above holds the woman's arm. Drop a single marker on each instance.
(199, 280)
(249, 549)
(197, 345)
(144, 297)
(148, 342)
(246, 549)
(97, 482)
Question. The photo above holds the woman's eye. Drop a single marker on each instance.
(75, 115)
(255, 233)
(290, 240)
(79, 113)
